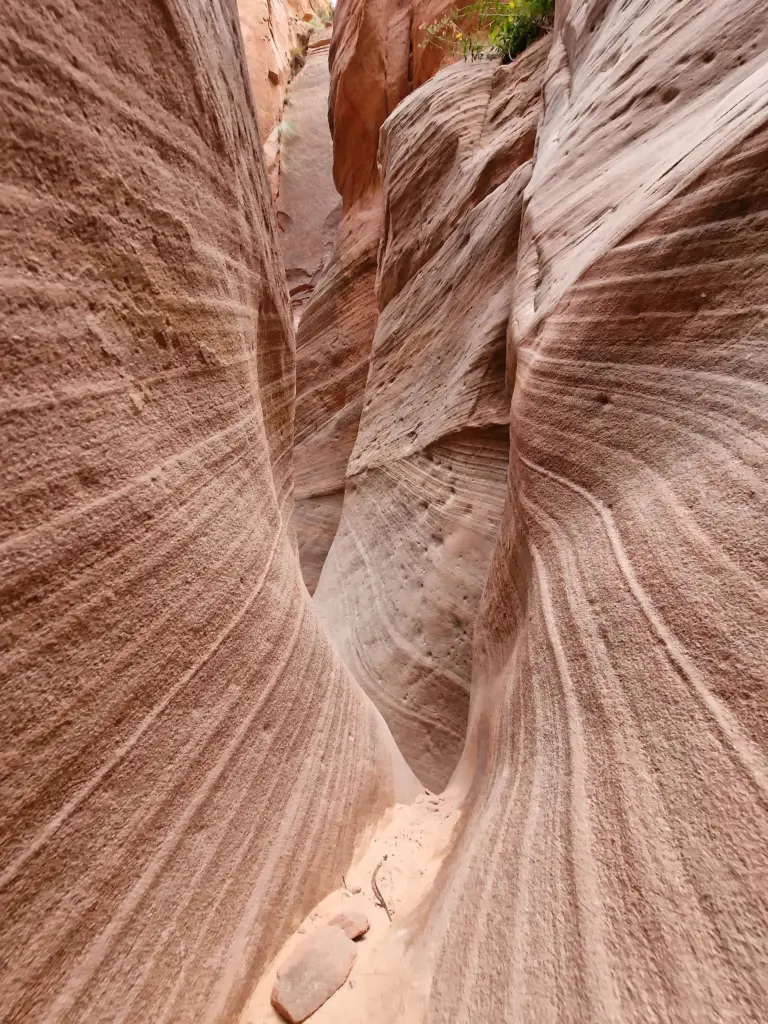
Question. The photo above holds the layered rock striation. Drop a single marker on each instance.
(549, 465)
(611, 860)
(333, 343)
(427, 477)
(377, 58)
(186, 764)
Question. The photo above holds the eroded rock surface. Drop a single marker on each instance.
(178, 738)
(353, 923)
(186, 763)
(612, 857)
(426, 480)
(275, 34)
(376, 61)
(333, 343)
(308, 207)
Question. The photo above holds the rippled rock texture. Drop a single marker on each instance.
(186, 763)
(426, 480)
(333, 343)
(612, 858)
(178, 738)
(376, 60)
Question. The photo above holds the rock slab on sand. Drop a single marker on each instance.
(354, 923)
(313, 972)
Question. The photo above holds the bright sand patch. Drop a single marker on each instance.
(385, 985)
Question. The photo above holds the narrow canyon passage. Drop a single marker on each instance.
(402, 445)
(389, 979)
(308, 206)
(383, 491)
(406, 444)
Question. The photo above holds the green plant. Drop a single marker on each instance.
(491, 28)
(299, 56)
(452, 34)
(320, 20)
(514, 26)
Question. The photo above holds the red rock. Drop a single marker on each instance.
(273, 32)
(377, 58)
(171, 710)
(426, 480)
(177, 731)
(318, 966)
(377, 61)
(615, 766)
(308, 204)
(353, 923)
(617, 758)
(333, 342)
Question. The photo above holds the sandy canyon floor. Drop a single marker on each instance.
(387, 983)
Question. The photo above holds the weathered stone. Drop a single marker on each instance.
(426, 480)
(171, 710)
(186, 763)
(613, 856)
(274, 33)
(377, 58)
(311, 974)
(308, 205)
(353, 923)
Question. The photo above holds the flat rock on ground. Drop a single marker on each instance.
(313, 972)
(352, 922)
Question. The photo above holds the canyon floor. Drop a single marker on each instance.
(386, 984)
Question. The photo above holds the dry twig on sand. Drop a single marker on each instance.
(377, 891)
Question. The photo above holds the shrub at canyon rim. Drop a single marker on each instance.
(492, 29)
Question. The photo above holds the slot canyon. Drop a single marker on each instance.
(384, 514)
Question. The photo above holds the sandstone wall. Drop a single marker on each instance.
(186, 764)
(376, 60)
(333, 343)
(426, 480)
(612, 860)
(275, 34)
